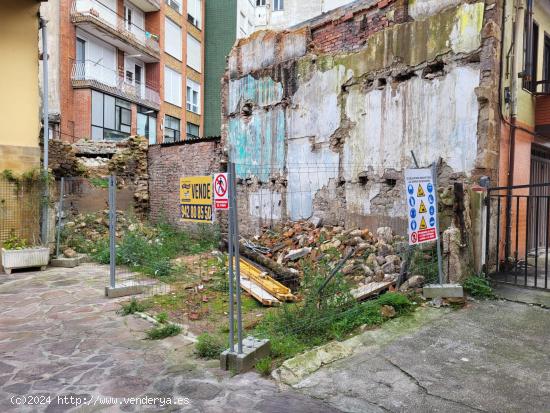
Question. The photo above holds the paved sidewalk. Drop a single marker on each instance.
(493, 356)
(60, 337)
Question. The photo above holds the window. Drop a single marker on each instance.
(147, 124)
(172, 86)
(278, 5)
(530, 53)
(111, 117)
(172, 38)
(171, 129)
(192, 131)
(193, 96)
(260, 2)
(194, 12)
(175, 4)
(194, 53)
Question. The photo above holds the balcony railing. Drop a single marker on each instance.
(102, 13)
(88, 73)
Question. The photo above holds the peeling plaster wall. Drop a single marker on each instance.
(329, 134)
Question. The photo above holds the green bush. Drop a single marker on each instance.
(263, 366)
(163, 331)
(478, 286)
(131, 307)
(208, 346)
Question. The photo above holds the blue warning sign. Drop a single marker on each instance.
(421, 205)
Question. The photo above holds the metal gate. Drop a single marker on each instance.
(517, 238)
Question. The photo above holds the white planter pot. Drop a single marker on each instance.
(25, 258)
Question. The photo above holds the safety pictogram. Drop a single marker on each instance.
(221, 191)
(422, 208)
(423, 224)
(420, 192)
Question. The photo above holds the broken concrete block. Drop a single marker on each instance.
(297, 254)
(316, 221)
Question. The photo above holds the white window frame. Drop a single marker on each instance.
(278, 5)
(172, 86)
(260, 3)
(194, 13)
(173, 31)
(192, 61)
(193, 89)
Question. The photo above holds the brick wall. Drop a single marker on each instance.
(168, 163)
(349, 31)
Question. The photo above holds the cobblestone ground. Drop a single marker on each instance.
(59, 337)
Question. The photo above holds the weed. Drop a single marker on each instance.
(478, 286)
(424, 262)
(163, 331)
(162, 318)
(99, 182)
(131, 307)
(327, 312)
(263, 366)
(209, 346)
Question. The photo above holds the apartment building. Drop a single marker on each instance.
(127, 67)
(20, 106)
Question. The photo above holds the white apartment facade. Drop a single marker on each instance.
(253, 15)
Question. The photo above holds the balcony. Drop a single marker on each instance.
(103, 22)
(88, 74)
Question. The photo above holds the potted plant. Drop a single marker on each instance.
(16, 253)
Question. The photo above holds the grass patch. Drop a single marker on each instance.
(478, 286)
(150, 250)
(163, 331)
(263, 366)
(209, 346)
(325, 314)
(100, 182)
(131, 307)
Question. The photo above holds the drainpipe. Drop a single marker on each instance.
(46, 129)
(517, 27)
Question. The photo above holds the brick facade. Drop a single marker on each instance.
(350, 30)
(168, 163)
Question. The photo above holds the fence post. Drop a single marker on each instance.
(112, 229)
(236, 245)
(230, 267)
(439, 254)
(60, 214)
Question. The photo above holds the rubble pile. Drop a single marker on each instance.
(372, 257)
(84, 230)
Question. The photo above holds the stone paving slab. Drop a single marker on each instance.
(60, 336)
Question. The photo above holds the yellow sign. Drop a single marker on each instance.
(422, 208)
(423, 224)
(196, 199)
(421, 192)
